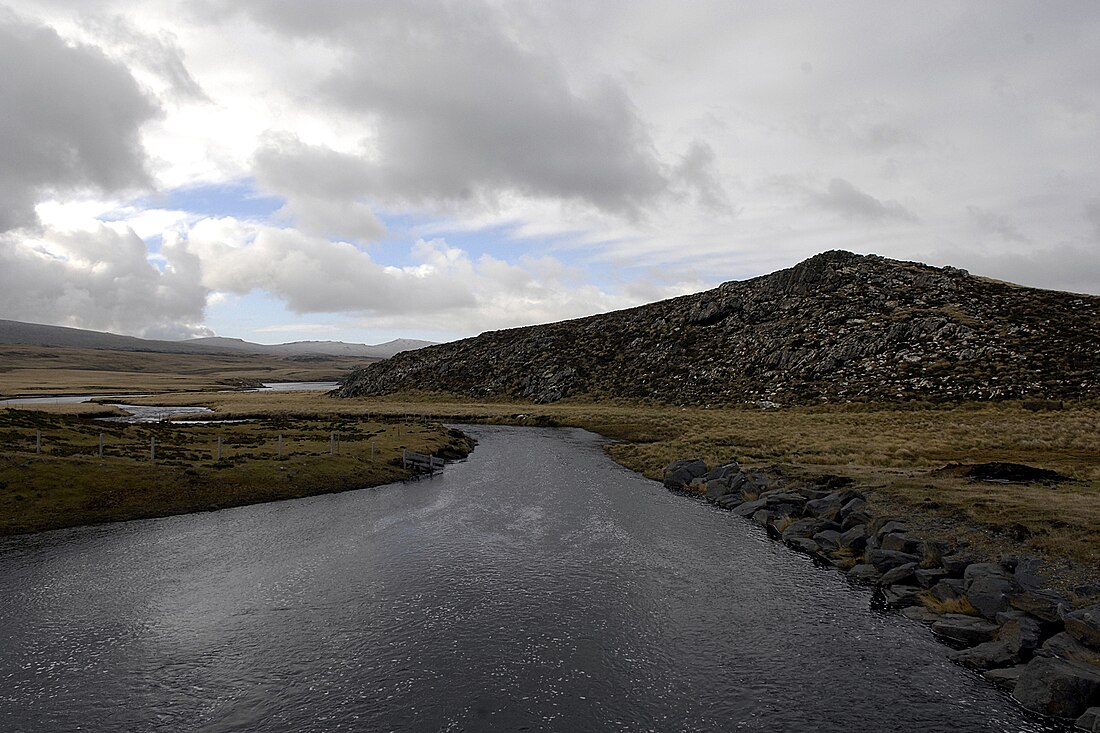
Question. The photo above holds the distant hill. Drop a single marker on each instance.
(837, 327)
(34, 334)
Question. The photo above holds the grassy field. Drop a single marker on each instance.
(895, 452)
(48, 370)
(68, 484)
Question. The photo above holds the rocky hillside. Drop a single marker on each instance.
(836, 327)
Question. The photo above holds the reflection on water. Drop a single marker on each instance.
(536, 586)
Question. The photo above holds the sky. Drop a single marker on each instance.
(278, 170)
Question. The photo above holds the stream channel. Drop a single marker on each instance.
(535, 586)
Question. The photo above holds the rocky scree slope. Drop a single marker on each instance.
(836, 327)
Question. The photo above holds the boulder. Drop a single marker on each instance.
(900, 596)
(985, 656)
(988, 588)
(730, 500)
(899, 542)
(1005, 678)
(898, 574)
(1064, 646)
(828, 540)
(803, 528)
(854, 506)
(864, 573)
(1089, 721)
(947, 589)
(955, 565)
(1046, 605)
(854, 537)
(1022, 633)
(1026, 574)
(827, 507)
(928, 577)
(750, 507)
(920, 613)
(968, 630)
(1084, 625)
(763, 517)
(723, 474)
(802, 544)
(1058, 687)
(885, 526)
(855, 519)
(885, 560)
(679, 474)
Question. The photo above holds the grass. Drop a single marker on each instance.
(68, 484)
(960, 605)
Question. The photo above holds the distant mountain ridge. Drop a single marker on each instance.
(35, 334)
(836, 327)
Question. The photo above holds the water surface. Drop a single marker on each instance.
(536, 586)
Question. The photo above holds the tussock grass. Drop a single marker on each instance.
(960, 605)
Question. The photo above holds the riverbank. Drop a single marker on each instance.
(52, 475)
(1000, 614)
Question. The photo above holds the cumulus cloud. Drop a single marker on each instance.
(70, 119)
(101, 279)
(843, 197)
(460, 109)
(158, 54)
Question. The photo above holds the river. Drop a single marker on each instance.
(535, 586)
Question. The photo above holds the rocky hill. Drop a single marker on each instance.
(836, 327)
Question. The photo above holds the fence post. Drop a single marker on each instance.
(332, 444)
(372, 451)
(37, 441)
(219, 447)
(280, 445)
(101, 445)
(153, 448)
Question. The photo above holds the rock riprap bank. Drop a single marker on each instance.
(1000, 618)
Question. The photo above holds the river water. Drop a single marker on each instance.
(535, 586)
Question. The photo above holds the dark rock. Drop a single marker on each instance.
(883, 527)
(1006, 678)
(933, 551)
(968, 630)
(985, 656)
(979, 569)
(988, 588)
(723, 474)
(897, 542)
(929, 577)
(1058, 687)
(857, 519)
(864, 573)
(750, 507)
(1026, 574)
(1084, 625)
(947, 589)
(802, 528)
(1046, 605)
(1089, 721)
(857, 505)
(955, 565)
(1022, 634)
(886, 560)
(854, 537)
(828, 540)
(763, 517)
(825, 508)
(898, 574)
(900, 596)
(802, 544)
(920, 613)
(1003, 473)
(1064, 646)
(680, 474)
(809, 492)
(729, 501)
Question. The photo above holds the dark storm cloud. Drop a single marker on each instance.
(843, 197)
(69, 119)
(462, 109)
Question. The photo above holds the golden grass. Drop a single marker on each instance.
(959, 605)
(68, 484)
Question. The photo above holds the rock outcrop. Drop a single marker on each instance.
(836, 327)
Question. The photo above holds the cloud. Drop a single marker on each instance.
(458, 110)
(996, 223)
(1092, 214)
(843, 197)
(70, 119)
(100, 279)
(157, 54)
